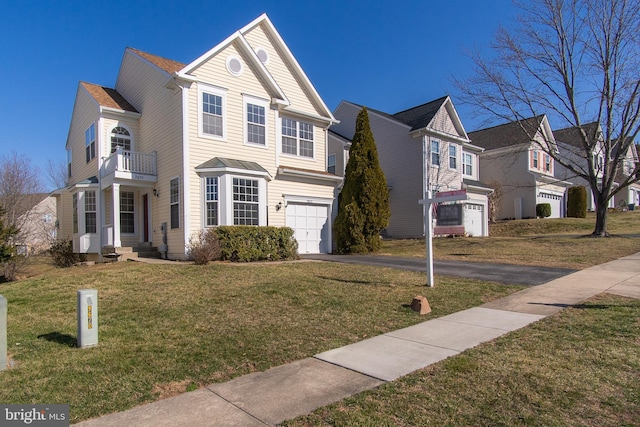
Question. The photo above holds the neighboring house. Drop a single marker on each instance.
(429, 137)
(237, 136)
(572, 151)
(630, 195)
(514, 162)
(37, 225)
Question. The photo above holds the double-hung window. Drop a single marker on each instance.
(453, 157)
(467, 164)
(435, 153)
(547, 163)
(174, 202)
(212, 111)
(211, 201)
(535, 159)
(331, 163)
(127, 212)
(90, 224)
(90, 142)
(297, 138)
(256, 124)
(245, 201)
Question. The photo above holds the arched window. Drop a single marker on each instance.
(120, 137)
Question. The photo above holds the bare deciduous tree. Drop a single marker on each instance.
(57, 173)
(19, 180)
(578, 62)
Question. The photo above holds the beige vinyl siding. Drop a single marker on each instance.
(144, 86)
(278, 188)
(282, 72)
(109, 123)
(85, 113)
(443, 123)
(64, 214)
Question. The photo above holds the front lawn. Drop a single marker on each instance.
(166, 329)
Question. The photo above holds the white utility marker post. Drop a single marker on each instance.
(446, 196)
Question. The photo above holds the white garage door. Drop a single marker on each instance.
(472, 218)
(311, 226)
(555, 201)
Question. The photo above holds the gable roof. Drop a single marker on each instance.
(508, 134)
(420, 117)
(167, 65)
(238, 39)
(571, 135)
(107, 97)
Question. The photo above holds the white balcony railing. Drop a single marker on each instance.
(130, 162)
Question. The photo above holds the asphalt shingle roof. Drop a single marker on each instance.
(506, 135)
(108, 97)
(168, 65)
(419, 117)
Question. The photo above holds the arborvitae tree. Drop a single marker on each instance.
(577, 202)
(363, 204)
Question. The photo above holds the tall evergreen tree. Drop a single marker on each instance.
(363, 204)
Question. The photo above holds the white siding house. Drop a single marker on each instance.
(513, 161)
(427, 139)
(236, 136)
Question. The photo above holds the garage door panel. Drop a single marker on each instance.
(310, 224)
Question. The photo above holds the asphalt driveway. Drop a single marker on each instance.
(503, 273)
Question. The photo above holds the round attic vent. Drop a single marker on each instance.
(262, 55)
(234, 65)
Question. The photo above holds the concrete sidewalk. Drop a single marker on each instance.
(285, 392)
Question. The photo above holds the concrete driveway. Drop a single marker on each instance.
(503, 273)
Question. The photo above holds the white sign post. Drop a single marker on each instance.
(445, 196)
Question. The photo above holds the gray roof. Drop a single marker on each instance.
(506, 135)
(220, 163)
(571, 135)
(475, 183)
(419, 117)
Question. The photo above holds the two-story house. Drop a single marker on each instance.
(238, 136)
(426, 143)
(570, 143)
(630, 194)
(514, 163)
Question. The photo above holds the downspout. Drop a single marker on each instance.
(186, 205)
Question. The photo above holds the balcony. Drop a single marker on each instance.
(129, 165)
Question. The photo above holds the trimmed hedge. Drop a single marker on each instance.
(543, 210)
(244, 243)
(577, 202)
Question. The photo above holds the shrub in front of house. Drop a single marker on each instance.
(204, 247)
(543, 210)
(577, 202)
(243, 243)
(61, 252)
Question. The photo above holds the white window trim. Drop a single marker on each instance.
(111, 128)
(464, 165)
(335, 167)
(280, 136)
(218, 91)
(449, 156)
(135, 217)
(248, 99)
(431, 153)
(170, 225)
(88, 144)
(225, 197)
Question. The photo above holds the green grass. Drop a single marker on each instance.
(168, 329)
(544, 242)
(578, 368)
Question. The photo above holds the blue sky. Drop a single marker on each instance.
(388, 55)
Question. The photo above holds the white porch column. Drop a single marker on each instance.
(115, 219)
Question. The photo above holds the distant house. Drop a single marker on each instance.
(514, 162)
(38, 225)
(630, 195)
(572, 151)
(238, 136)
(427, 139)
